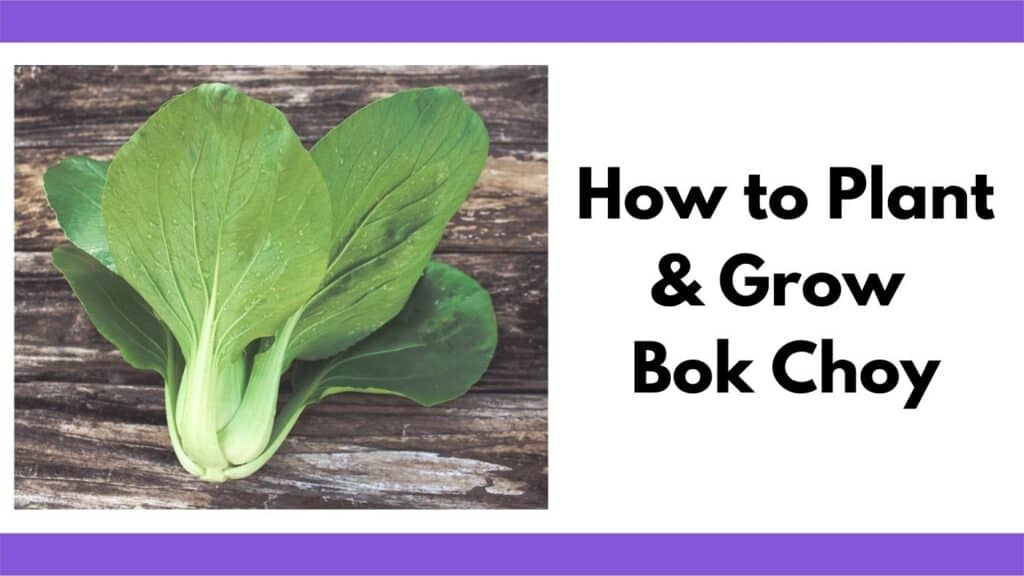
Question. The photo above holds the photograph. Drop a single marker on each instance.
(280, 287)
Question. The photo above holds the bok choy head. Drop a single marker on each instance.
(217, 251)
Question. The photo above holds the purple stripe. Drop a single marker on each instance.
(554, 554)
(513, 21)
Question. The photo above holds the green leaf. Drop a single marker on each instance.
(397, 171)
(217, 215)
(123, 318)
(74, 189)
(219, 218)
(117, 311)
(432, 352)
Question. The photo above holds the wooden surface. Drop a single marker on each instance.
(89, 429)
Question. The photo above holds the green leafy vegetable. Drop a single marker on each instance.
(237, 251)
(74, 189)
(449, 316)
(398, 171)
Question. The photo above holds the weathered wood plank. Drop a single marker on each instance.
(105, 446)
(506, 212)
(54, 338)
(103, 105)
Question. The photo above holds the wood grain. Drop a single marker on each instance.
(103, 105)
(106, 446)
(89, 429)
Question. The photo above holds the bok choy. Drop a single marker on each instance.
(215, 250)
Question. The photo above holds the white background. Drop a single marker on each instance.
(704, 115)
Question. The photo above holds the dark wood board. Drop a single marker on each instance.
(105, 446)
(49, 100)
(89, 429)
